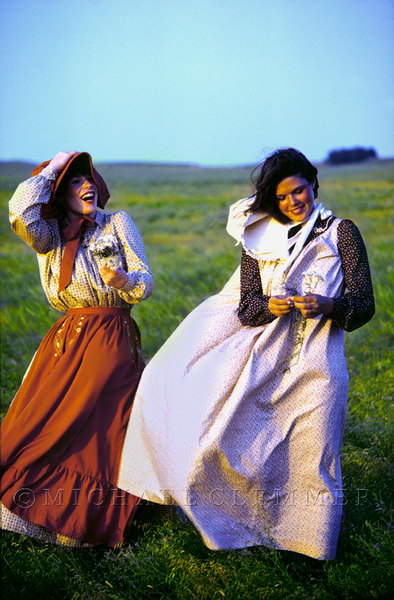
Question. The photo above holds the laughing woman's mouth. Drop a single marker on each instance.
(88, 197)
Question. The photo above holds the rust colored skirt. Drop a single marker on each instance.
(62, 437)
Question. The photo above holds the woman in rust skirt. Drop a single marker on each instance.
(62, 437)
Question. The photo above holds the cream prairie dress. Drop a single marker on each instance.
(241, 426)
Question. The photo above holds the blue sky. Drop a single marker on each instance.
(213, 82)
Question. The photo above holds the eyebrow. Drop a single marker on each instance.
(302, 185)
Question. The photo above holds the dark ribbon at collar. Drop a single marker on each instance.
(293, 230)
(72, 234)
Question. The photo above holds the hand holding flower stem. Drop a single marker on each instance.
(309, 306)
(107, 252)
(312, 306)
(117, 279)
(280, 305)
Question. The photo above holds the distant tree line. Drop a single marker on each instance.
(350, 155)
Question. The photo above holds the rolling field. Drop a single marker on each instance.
(181, 212)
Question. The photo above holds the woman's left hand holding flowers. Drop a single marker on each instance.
(314, 305)
(117, 279)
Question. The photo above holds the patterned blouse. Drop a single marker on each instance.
(44, 236)
(351, 309)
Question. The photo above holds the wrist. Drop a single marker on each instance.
(329, 306)
(49, 173)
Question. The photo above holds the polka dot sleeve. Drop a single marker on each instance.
(140, 280)
(357, 306)
(253, 307)
(25, 212)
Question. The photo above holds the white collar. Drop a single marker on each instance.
(263, 237)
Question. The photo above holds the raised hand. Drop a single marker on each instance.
(59, 161)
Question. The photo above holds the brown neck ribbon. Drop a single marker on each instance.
(72, 234)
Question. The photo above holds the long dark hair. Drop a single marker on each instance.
(277, 166)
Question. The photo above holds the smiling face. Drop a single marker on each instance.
(295, 197)
(80, 196)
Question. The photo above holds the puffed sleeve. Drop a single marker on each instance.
(140, 278)
(25, 212)
(253, 306)
(356, 306)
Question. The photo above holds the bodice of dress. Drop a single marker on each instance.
(317, 269)
(353, 299)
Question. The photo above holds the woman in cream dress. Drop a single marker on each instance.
(239, 417)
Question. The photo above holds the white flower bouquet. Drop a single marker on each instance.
(108, 251)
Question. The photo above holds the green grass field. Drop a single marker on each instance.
(181, 212)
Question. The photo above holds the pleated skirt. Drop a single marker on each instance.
(62, 436)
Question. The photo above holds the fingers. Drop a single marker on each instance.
(116, 278)
(106, 274)
(309, 312)
(280, 306)
(308, 305)
(59, 161)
